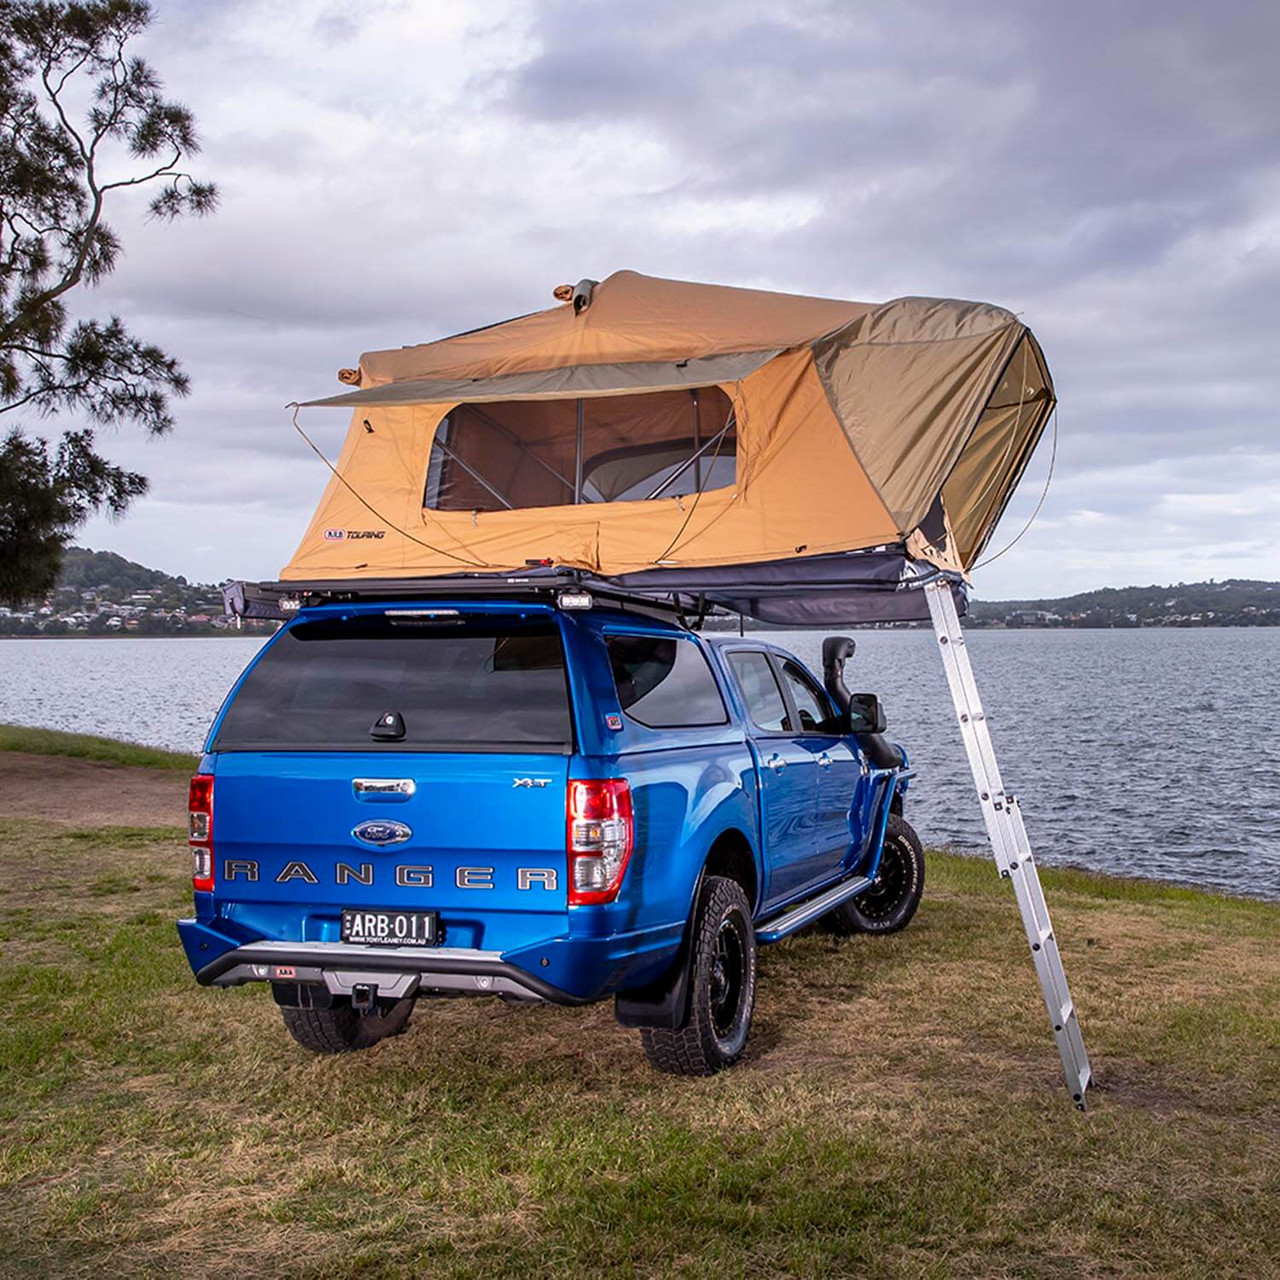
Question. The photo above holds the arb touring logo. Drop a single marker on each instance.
(337, 535)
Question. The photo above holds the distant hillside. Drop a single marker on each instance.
(1234, 602)
(110, 574)
(112, 577)
(102, 594)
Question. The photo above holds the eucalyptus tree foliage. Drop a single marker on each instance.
(82, 119)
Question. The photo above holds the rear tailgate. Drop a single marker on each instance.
(411, 760)
(480, 838)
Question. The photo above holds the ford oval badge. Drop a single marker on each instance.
(381, 831)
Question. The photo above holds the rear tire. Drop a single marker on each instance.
(894, 895)
(341, 1029)
(722, 987)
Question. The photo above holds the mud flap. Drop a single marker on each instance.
(665, 1001)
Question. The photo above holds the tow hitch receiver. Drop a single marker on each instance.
(364, 996)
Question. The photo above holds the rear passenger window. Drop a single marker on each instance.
(760, 692)
(664, 682)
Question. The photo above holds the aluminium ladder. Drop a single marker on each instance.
(1003, 816)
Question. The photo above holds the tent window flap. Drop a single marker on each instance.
(549, 453)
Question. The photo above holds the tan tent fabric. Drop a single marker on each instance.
(999, 449)
(631, 318)
(908, 381)
(853, 426)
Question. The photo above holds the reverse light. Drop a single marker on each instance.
(601, 834)
(200, 831)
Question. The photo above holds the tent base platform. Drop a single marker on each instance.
(847, 589)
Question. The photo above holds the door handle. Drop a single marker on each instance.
(383, 789)
(825, 760)
(776, 763)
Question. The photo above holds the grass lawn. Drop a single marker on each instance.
(900, 1112)
(83, 746)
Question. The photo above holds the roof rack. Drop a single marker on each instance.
(281, 600)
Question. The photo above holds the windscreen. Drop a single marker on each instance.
(470, 686)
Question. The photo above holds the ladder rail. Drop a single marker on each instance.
(1002, 815)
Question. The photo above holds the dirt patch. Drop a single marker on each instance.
(85, 793)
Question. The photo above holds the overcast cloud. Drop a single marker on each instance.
(394, 172)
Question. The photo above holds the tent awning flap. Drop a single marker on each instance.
(558, 384)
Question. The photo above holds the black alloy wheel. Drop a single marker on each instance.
(890, 901)
(722, 987)
(728, 979)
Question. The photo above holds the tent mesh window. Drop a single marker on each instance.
(552, 453)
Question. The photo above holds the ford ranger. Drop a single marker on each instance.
(541, 799)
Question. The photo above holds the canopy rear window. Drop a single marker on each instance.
(457, 687)
(553, 453)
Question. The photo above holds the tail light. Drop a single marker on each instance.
(601, 833)
(200, 831)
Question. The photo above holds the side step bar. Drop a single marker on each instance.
(807, 912)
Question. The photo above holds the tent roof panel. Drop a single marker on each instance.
(632, 318)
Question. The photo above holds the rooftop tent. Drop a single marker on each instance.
(799, 459)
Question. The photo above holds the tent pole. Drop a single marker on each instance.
(472, 472)
(697, 443)
(507, 434)
(577, 455)
(1003, 816)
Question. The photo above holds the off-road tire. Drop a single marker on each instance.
(722, 987)
(894, 895)
(341, 1028)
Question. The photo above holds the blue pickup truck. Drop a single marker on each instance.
(540, 799)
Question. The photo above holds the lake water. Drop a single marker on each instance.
(1150, 752)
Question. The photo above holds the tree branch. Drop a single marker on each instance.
(149, 177)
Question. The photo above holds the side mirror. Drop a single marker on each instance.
(866, 715)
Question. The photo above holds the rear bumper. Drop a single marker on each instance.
(396, 972)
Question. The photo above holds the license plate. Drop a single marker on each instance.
(391, 928)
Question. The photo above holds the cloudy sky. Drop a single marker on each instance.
(393, 172)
